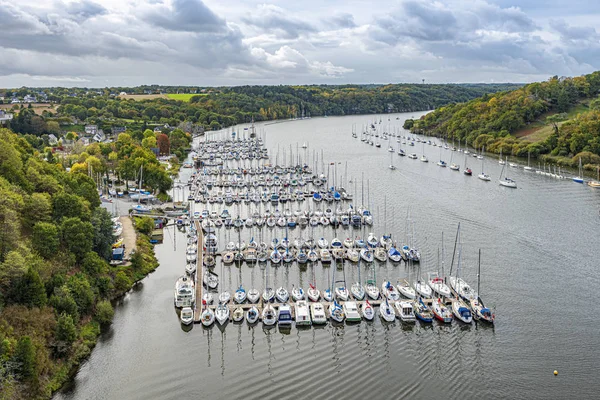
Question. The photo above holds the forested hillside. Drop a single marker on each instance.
(55, 282)
(568, 107)
(227, 106)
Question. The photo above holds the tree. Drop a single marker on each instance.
(11, 271)
(63, 302)
(66, 332)
(104, 312)
(82, 293)
(31, 291)
(93, 265)
(77, 236)
(66, 205)
(145, 225)
(45, 239)
(52, 127)
(149, 142)
(122, 282)
(25, 358)
(103, 233)
(163, 143)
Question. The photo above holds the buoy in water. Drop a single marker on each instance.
(555, 372)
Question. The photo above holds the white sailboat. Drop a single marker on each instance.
(222, 313)
(506, 182)
(483, 176)
(269, 316)
(387, 312)
(368, 312)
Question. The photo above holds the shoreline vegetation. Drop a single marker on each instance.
(56, 285)
(556, 122)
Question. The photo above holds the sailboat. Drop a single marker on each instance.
(480, 311)
(440, 311)
(500, 159)
(528, 167)
(222, 314)
(268, 294)
(467, 170)
(483, 176)
(507, 182)
(441, 163)
(453, 166)
(368, 311)
(336, 312)
(269, 316)
(392, 166)
(387, 312)
(357, 290)
(423, 158)
(371, 288)
(579, 179)
(595, 184)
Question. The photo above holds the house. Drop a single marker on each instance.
(29, 99)
(5, 117)
(52, 140)
(84, 141)
(118, 129)
(15, 101)
(157, 130)
(91, 130)
(99, 136)
(123, 94)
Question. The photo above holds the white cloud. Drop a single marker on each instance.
(104, 42)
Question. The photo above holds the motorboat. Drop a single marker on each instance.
(282, 295)
(325, 256)
(269, 316)
(187, 315)
(336, 243)
(252, 315)
(351, 311)
(317, 313)
(284, 315)
(302, 314)
(185, 292)
(368, 312)
(207, 317)
(352, 255)
(322, 243)
(387, 311)
(380, 254)
(405, 311)
(389, 291)
(348, 243)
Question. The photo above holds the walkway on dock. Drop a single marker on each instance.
(129, 237)
(199, 272)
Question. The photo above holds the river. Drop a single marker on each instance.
(540, 256)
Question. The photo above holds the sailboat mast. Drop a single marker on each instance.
(479, 274)
(454, 251)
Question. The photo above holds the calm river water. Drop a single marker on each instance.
(539, 266)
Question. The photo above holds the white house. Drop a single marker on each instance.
(52, 140)
(99, 136)
(91, 129)
(5, 117)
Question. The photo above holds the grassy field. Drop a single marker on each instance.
(540, 129)
(38, 108)
(182, 96)
(138, 97)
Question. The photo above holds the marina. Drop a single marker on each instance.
(522, 268)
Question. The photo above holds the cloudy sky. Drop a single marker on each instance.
(232, 42)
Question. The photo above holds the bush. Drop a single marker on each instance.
(145, 225)
(122, 282)
(66, 331)
(104, 312)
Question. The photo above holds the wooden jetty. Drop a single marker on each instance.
(199, 272)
